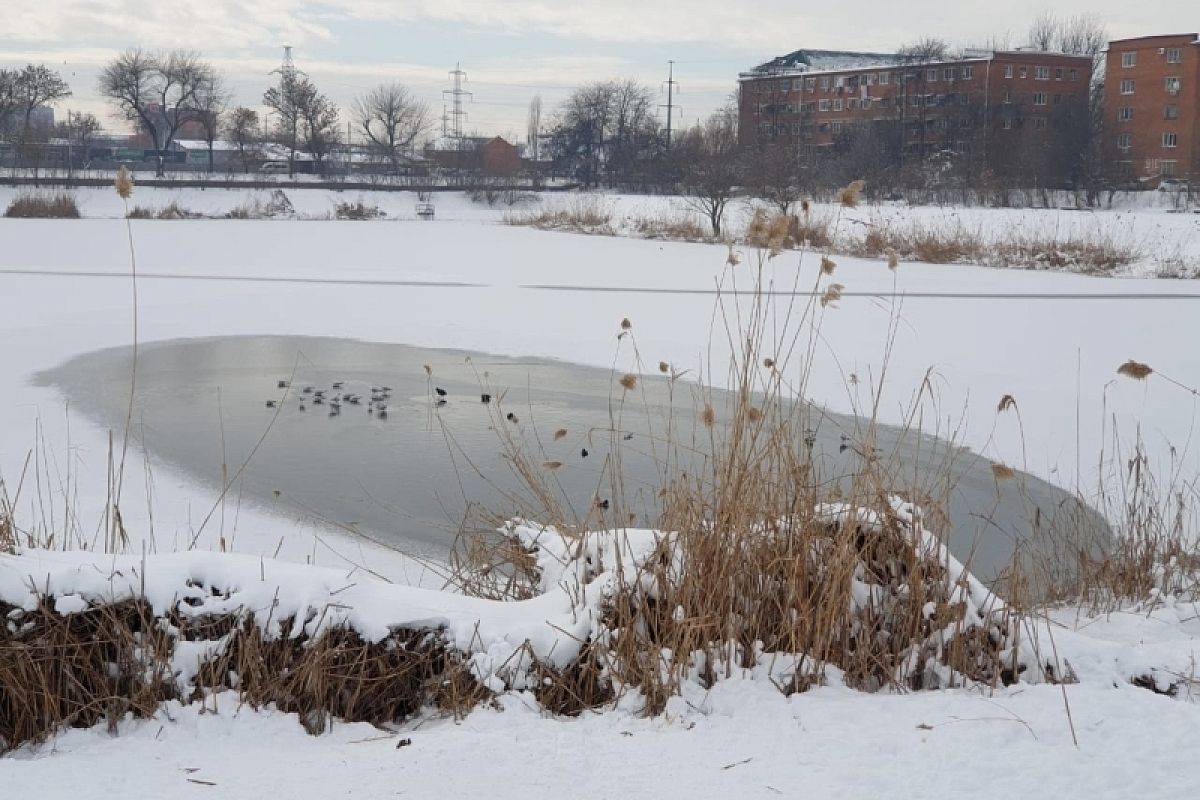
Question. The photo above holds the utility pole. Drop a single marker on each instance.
(671, 84)
(457, 114)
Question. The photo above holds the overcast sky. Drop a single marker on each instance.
(514, 49)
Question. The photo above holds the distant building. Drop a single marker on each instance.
(225, 154)
(493, 156)
(1152, 107)
(992, 104)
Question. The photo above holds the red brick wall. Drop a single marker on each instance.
(1142, 153)
(975, 85)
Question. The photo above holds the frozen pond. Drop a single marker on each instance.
(415, 475)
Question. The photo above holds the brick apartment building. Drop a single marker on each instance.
(1152, 107)
(992, 106)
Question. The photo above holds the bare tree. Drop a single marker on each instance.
(534, 130)
(318, 124)
(392, 119)
(286, 100)
(8, 99)
(212, 97)
(34, 87)
(773, 171)
(79, 130)
(606, 128)
(241, 128)
(914, 90)
(708, 155)
(1043, 31)
(156, 92)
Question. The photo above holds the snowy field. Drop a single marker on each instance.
(1053, 341)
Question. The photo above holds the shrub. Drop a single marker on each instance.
(60, 205)
(358, 211)
(171, 210)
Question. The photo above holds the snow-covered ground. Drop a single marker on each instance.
(751, 743)
(1053, 341)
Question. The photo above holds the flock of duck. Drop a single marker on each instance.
(337, 396)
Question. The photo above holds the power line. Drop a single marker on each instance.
(671, 83)
(457, 114)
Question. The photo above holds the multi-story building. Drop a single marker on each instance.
(1152, 107)
(998, 107)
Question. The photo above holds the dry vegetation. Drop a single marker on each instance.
(170, 211)
(60, 205)
(106, 662)
(1098, 251)
(358, 211)
(585, 214)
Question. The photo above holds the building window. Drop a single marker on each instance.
(837, 104)
(884, 78)
(1039, 98)
(1008, 95)
(1125, 141)
(1058, 73)
(810, 85)
(1127, 86)
(851, 104)
(1007, 124)
(835, 127)
(824, 84)
(1041, 73)
(1039, 123)
(1074, 74)
(948, 73)
(1129, 59)
(823, 105)
(1172, 85)
(968, 73)
(931, 75)
(1171, 112)
(797, 84)
(839, 81)
(1024, 72)
(1166, 168)
(1008, 70)
(964, 99)
(1170, 140)
(870, 79)
(1125, 113)
(1174, 55)
(915, 100)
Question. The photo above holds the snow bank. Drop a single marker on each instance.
(508, 644)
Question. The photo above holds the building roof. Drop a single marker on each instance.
(450, 144)
(815, 62)
(1195, 37)
(200, 144)
(825, 60)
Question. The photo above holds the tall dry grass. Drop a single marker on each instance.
(584, 214)
(34, 205)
